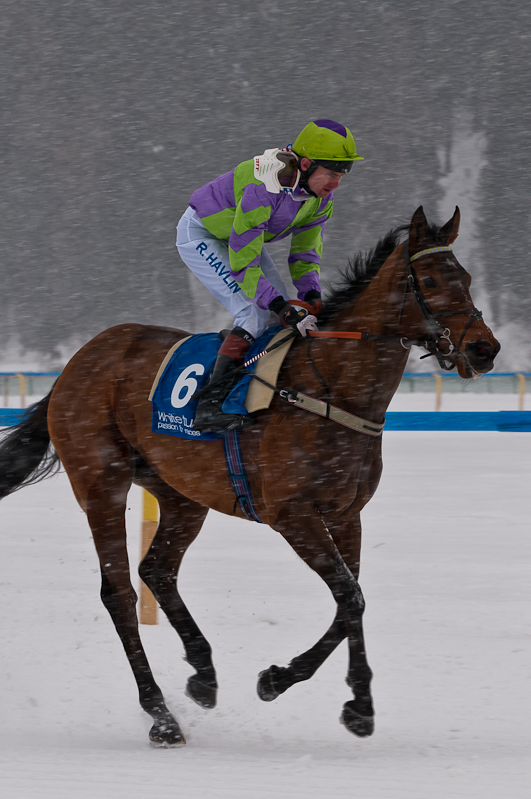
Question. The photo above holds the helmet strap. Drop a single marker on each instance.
(306, 175)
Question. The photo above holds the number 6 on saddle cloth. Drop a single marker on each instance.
(186, 369)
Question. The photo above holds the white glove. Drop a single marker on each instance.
(308, 323)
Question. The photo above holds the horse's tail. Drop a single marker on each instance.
(26, 456)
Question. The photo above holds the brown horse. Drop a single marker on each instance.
(309, 476)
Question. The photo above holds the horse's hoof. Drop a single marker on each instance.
(201, 692)
(166, 735)
(362, 726)
(266, 688)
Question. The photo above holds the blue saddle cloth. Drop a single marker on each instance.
(189, 370)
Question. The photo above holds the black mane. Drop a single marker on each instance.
(362, 268)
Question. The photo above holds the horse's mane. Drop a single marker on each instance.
(363, 267)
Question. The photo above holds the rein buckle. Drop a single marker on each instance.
(288, 395)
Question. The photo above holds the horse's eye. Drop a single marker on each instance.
(430, 282)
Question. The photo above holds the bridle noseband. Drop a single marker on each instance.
(437, 330)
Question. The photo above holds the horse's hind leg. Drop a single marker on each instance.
(180, 522)
(100, 470)
(106, 515)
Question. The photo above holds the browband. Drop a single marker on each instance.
(429, 252)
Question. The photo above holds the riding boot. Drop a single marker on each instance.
(209, 415)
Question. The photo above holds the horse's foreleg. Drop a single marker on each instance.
(180, 522)
(276, 679)
(358, 714)
(106, 516)
(317, 548)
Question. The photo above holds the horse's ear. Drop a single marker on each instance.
(450, 231)
(417, 230)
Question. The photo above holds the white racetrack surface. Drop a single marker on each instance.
(445, 572)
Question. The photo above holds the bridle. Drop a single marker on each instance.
(437, 332)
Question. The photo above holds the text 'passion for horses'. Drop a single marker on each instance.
(311, 489)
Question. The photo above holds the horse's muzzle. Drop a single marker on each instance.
(480, 355)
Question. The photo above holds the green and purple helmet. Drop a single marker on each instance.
(327, 143)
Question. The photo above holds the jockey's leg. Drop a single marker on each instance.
(209, 414)
(208, 258)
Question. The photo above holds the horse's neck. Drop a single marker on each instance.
(368, 373)
(379, 306)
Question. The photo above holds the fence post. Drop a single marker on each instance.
(22, 389)
(150, 522)
(438, 391)
(521, 390)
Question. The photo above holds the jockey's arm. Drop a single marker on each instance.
(246, 241)
(245, 249)
(305, 255)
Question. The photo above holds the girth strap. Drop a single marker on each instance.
(325, 409)
(331, 412)
(238, 477)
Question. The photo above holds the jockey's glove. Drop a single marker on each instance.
(290, 316)
(313, 297)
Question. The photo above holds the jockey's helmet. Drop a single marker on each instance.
(327, 143)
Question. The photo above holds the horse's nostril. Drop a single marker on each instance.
(479, 349)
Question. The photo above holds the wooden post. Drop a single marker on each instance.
(150, 522)
(521, 390)
(438, 391)
(22, 389)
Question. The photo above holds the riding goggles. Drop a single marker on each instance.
(334, 166)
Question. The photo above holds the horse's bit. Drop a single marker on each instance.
(439, 332)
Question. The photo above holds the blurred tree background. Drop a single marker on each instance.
(112, 113)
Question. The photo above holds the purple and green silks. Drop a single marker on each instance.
(237, 208)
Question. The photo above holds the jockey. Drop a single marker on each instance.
(221, 237)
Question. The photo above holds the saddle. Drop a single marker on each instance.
(185, 371)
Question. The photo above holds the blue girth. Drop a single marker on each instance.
(236, 469)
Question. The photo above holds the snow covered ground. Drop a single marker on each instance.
(467, 401)
(445, 572)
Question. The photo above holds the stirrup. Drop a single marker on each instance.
(241, 421)
(218, 421)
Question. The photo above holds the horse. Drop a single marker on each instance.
(309, 476)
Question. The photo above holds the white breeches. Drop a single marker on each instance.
(208, 258)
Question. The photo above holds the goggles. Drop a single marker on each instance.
(278, 170)
(334, 166)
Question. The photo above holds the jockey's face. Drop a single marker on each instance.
(323, 180)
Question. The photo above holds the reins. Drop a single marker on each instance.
(325, 409)
(439, 332)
